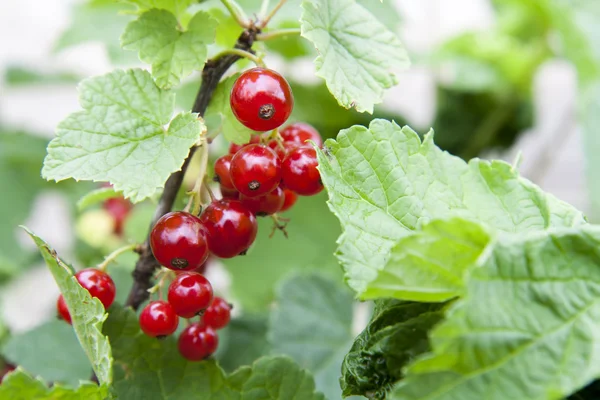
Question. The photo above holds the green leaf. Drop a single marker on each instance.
(255, 275)
(242, 341)
(312, 323)
(152, 369)
(396, 334)
(121, 136)
(430, 265)
(274, 378)
(87, 313)
(173, 54)
(20, 386)
(176, 7)
(358, 55)
(95, 197)
(383, 182)
(97, 21)
(219, 106)
(50, 351)
(527, 328)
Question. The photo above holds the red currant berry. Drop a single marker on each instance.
(265, 205)
(231, 227)
(290, 199)
(99, 284)
(261, 99)
(189, 294)
(158, 319)
(300, 173)
(63, 311)
(197, 342)
(222, 174)
(178, 241)
(231, 194)
(200, 270)
(255, 170)
(217, 316)
(299, 133)
(234, 148)
(119, 209)
(282, 149)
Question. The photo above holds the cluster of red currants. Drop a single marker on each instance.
(190, 294)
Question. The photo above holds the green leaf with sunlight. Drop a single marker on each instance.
(123, 135)
(20, 386)
(430, 264)
(175, 7)
(50, 351)
(255, 276)
(173, 54)
(96, 197)
(397, 333)
(358, 55)
(383, 182)
(17, 76)
(146, 368)
(87, 313)
(527, 328)
(219, 110)
(274, 378)
(312, 323)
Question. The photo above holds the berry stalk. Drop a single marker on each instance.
(211, 75)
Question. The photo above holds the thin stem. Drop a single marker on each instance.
(200, 179)
(268, 18)
(278, 33)
(237, 13)
(241, 53)
(264, 7)
(113, 256)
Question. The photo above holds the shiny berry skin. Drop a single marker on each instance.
(234, 148)
(178, 241)
(99, 284)
(119, 209)
(300, 173)
(158, 319)
(255, 170)
(231, 227)
(197, 342)
(231, 194)
(63, 311)
(222, 174)
(282, 149)
(261, 99)
(300, 132)
(265, 205)
(189, 294)
(289, 201)
(217, 316)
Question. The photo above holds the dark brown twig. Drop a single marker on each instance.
(211, 75)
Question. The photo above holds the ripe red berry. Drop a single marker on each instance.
(99, 284)
(197, 342)
(261, 99)
(229, 193)
(290, 199)
(231, 227)
(300, 173)
(119, 209)
(234, 148)
(282, 149)
(217, 316)
(178, 241)
(63, 311)
(255, 170)
(222, 174)
(265, 205)
(189, 294)
(300, 132)
(158, 319)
